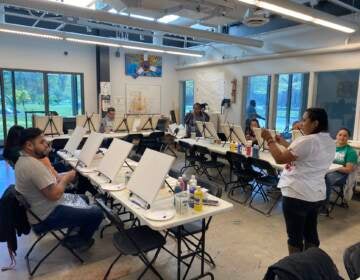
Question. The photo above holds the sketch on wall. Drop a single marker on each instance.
(143, 65)
(143, 99)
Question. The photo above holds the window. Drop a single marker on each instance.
(64, 94)
(292, 95)
(187, 97)
(27, 92)
(258, 89)
(337, 94)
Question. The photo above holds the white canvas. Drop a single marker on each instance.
(90, 148)
(209, 132)
(41, 121)
(260, 140)
(73, 143)
(114, 158)
(145, 124)
(296, 134)
(150, 174)
(95, 119)
(237, 136)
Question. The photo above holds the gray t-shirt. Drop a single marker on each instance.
(106, 123)
(31, 177)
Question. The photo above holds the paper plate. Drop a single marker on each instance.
(160, 215)
(113, 188)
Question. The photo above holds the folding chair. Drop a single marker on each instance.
(207, 164)
(40, 235)
(187, 233)
(239, 166)
(153, 141)
(190, 157)
(135, 241)
(135, 139)
(352, 261)
(265, 184)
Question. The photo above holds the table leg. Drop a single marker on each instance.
(179, 253)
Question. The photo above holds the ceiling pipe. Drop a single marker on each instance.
(72, 11)
(283, 55)
(344, 5)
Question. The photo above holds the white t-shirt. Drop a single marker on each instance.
(305, 177)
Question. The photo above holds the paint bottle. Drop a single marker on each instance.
(198, 199)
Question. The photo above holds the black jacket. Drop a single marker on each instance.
(313, 264)
(13, 219)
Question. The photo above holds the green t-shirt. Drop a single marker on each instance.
(345, 154)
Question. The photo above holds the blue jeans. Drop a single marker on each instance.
(335, 178)
(88, 219)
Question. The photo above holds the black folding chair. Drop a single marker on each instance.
(188, 233)
(190, 157)
(352, 261)
(239, 166)
(154, 141)
(207, 164)
(265, 184)
(40, 235)
(136, 140)
(135, 241)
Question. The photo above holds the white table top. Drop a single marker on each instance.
(164, 196)
(106, 135)
(222, 150)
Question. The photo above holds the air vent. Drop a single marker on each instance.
(255, 18)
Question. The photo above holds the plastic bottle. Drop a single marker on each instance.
(181, 183)
(177, 189)
(198, 199)
(233, 146)
(192, 185)
(255, 151)
(239, 147)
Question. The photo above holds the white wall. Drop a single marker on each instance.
(21, 52)
(313, 63)
(169, 82)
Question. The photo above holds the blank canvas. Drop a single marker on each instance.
(73, 143)
(41, 121)
(90, 148)
(150, 174)
(114, 158)
(95, 119)
(238, 134)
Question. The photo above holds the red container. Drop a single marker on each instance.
(248, 151)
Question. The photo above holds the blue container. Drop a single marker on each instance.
(239, 148)
(255, 151)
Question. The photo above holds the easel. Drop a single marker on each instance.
(231, 132)
(88, 122)
(123, 121)
(50, 122)
(203, 132)
(149, 120)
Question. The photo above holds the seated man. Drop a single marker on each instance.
(45, 194)
(108, 122)
(345, 156)
(191, 118)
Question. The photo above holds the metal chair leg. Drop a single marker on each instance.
(111, 266)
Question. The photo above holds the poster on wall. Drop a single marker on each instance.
(143, 65)
(143, 99)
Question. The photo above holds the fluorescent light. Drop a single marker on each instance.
(92, 42)
(45, 36)
(284, 11)
(142, 17)
(292, 12)
(142, 48)
(334, 25)
(186, 54)
(168, 18)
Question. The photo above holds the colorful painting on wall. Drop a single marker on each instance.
(143, 65)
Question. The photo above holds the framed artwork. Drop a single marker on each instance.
(143, 65)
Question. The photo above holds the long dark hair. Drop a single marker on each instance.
(320, 115)
(248, 130)
(12, 140)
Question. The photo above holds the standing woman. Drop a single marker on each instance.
(302, 182)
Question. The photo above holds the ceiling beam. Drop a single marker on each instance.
(72, 11)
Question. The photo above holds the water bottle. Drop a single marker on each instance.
(255, 151)
(177, 190)
(192, 185)
(198, 199)
(181, 183)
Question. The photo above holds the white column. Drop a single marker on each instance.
(272, 101)
(312, 89)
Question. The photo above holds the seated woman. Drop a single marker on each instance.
(345, 156)
(249, 132)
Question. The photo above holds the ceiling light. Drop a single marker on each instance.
(301, 13)
(92, 42)
(284, 11)
(142, 17)
(142, 48)
(45, 36)
(168, 18)
(186, 54)
(334, 25)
